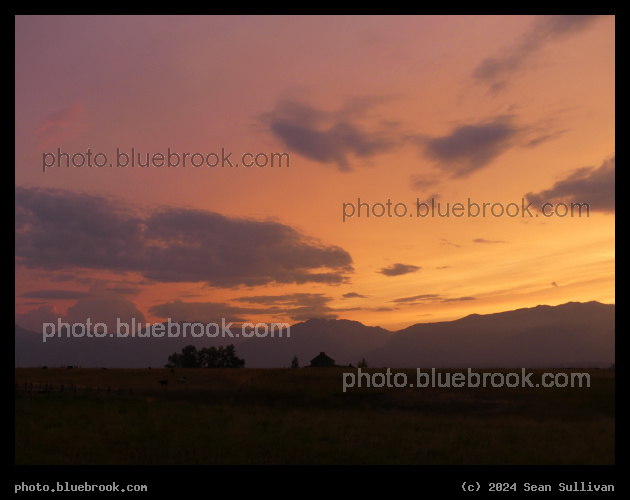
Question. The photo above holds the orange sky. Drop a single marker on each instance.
(491, 108)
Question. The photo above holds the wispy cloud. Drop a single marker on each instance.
(459, 299)
(296, 306)
(417, 298)
(331, 137)
(483, 240)
(351, 133)
(55, 294)
(471, 147)
(444, 241)
(542, 138)
(428, 298)
(496, 71)
(61, 125)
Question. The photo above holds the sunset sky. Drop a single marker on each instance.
(498, 109)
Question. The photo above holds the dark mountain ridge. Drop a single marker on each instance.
(573, 334)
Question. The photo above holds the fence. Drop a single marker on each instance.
(31, 388)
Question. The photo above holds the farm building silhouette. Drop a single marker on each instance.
(321, 360)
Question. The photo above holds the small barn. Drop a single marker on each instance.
(321, 360)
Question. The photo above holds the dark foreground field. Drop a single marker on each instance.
(302, 416)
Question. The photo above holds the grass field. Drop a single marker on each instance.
(302, 416)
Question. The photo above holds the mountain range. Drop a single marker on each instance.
(574, 334)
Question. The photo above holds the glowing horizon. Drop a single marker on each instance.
(495, 109)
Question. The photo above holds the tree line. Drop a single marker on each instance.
(206, 357)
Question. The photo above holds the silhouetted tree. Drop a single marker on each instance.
(227, 358)
(295, 363)
(207, 357)
(189, 358)
(362, 363)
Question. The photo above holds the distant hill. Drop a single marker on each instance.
(569, 335)
(112, 352)
(343, 340)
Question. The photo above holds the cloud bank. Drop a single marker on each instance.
(58, 229)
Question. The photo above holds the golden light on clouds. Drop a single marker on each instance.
(493, 109)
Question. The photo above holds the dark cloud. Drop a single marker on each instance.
(101, 285)
(459, 299)
(61, 230)
(341, 136)
(496, 71)
(55, 294)
(330, 137)
(190, 294)
(471, 147)
(58, 229)
(61, 277)
(123, 290)
(398, 269)
(296, 306)
(482, 240)
(594, 186)
(86, 280)
(431, 297)
(354, 295)
(289, 298)
(428, 298)
(203, 312)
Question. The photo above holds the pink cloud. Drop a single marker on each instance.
(62, 125)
